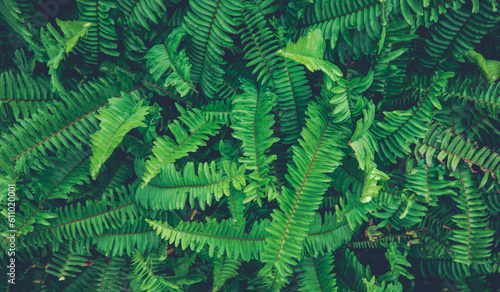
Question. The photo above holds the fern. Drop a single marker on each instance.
(101, 37)
(319, 270)
(271, 145)
(307, 178)
(164, 56)
(131, 116)
(251, 123)
(206, 44)
(171, 189)
(224, 270)
(167, 150)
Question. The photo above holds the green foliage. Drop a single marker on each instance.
(122, 115)
(240, 145)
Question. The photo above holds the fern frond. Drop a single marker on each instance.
(120, 117)
(224, 269)
(124, 240)
(164, 56)
(220, 236)
(444, 267)
(349, 271)
(456, 34)
(65, 264)
(63, 124)
(327, 236)
(150, 273)
(101, 37)
(110, 274)
(166, 150)
(373, 286)
(259, 43)
(402, 127)
(458, 149)
(424, 181)
(432, 9)
(208, 26)
(170, 189)
(473, 240)
(75, 222)
(320, 153)
(236, 206)
(392, 60)
(252, 123)
(397, 260)
(287, 76)
(59, 180)
(348, 176)
(12, 14)
(317, 274)
(483, 95)
(116, 175)
(400, 210)
(139, 13)
(309, 51)
(25, 94)
(218, 110)
(332, 17)
(55, 182)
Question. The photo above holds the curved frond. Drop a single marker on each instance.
(319, 154)
(317, 274)
(208, 26)
(170, 189)
(252, 123)
(120, 117)
(101, 37)
(166, 150)
(220, 236)
(224, 269)
(402, 127)
(164, 56)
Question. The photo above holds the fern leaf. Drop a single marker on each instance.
(101, 37)
(65, 264)
(69, 122)
(252, 124)
(456, 34)
(220, 236)
(120, 117)
(170, 189)
(287, 76)
(139, 13)
(350, 272)
(425, 183)
(219, 111)
(403, 127)
(224, 269)
(164, 56)
(12, 14)
(484, 96)
(319, 154)
(75, 222)
(317, 274)
(110, 274)
(457, 150)
(309, 51)
(236, 206)
(25, 94)
(474, 240)
(167, 150)
(124, 240)
(208, 26)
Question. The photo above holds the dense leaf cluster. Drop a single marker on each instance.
(235, 145)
